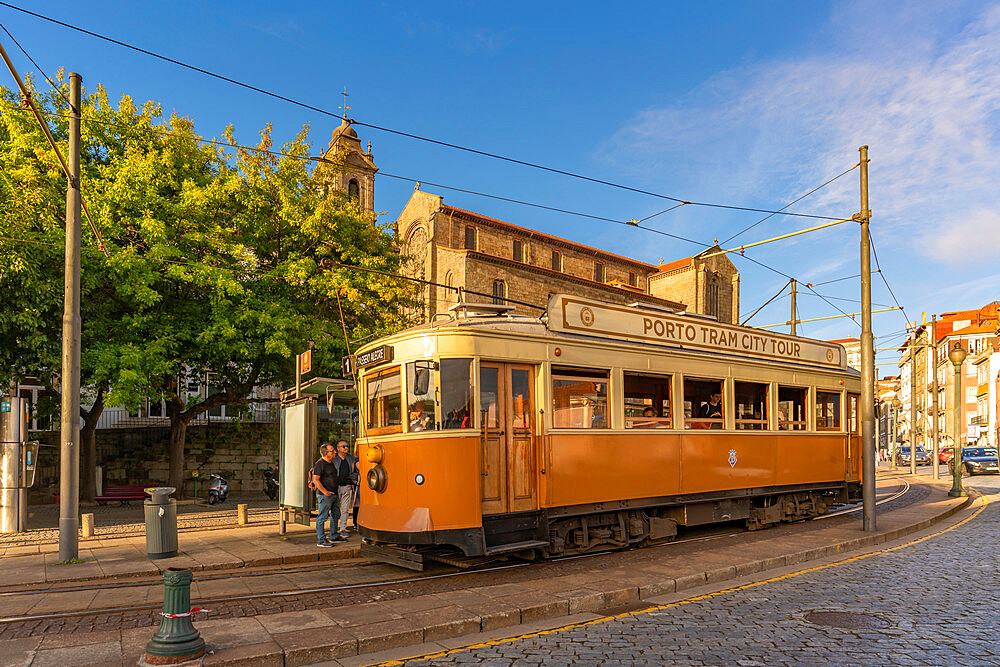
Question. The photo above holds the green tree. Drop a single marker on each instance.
(215, 261)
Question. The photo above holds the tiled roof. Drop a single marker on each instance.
(845, 340)
(677, 264)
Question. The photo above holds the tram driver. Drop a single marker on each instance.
(420, 419)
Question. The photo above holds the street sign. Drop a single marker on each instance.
(307, 361)
(5, 406)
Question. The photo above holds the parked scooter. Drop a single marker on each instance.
(271, 483)
(218, 489)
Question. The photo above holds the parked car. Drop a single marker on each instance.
(946, 454)
(903, 457)
(978, 461)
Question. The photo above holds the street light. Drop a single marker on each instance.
(893, 409)
(956, 356)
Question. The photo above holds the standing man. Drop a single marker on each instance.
(347, 475)
(324, 477)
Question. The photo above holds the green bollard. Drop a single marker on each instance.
(176, 641)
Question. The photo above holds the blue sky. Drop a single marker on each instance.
(751, 104)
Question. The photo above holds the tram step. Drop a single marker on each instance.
(411, 560)
(516, 546)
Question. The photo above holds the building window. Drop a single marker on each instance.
(633, 280)
(499, 292)
(470, 238)
(518, 251)
(598, 272)
(557, 261)
(353, 190)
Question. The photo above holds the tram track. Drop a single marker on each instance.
(376, 589)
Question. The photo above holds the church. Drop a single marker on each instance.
(496, 261)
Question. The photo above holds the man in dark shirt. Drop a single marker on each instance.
(324, 477)
(713, 409)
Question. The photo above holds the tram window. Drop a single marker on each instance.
(827, 411)
(853, 402)
(703, 404)
(384, 401)
(579, 398)
(420, 386)
(751, 405)
(647, 401)
(791, 409)
(456, 393)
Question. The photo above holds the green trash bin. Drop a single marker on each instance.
(161, 522)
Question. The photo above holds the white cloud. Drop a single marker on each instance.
(925, 98)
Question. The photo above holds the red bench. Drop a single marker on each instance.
(123, 494)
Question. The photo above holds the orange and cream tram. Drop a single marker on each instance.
(597, 426)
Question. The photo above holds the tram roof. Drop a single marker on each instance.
(536, 326)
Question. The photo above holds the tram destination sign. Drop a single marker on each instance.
(378, 355)
(573, 314)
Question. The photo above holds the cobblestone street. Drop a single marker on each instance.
(936, 602)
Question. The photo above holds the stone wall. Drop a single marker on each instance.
(240, 452)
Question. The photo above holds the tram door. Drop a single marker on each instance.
(508, 456)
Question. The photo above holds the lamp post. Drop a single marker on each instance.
(956, 356)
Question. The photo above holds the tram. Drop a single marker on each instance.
(596, 426)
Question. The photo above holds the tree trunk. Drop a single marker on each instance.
(88, 437)
(178, 431)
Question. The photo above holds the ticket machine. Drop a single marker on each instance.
(17, 464)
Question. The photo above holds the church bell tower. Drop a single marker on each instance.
(355, 169)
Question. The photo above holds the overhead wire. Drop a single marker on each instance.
(38, 67)
(871, 243)
(411, 135)
(783, 288)
(793, 202)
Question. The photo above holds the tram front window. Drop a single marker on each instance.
(383, 391)
(703, 404)
(420, 386)
(791, 408)
(579, 398)
(751, 405)
(456, 393)
(647, 401)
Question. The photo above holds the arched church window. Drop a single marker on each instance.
(712, 300)
(499, 292)
(353, 190)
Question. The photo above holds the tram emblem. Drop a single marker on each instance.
(587, 316)
(732, 458)
(829, 355)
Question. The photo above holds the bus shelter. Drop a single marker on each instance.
(318, 409)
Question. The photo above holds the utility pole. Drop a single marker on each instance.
(913, 401)
(935, 461)
(69, 465)
(867, 361)
(794, 294)
(892, 431)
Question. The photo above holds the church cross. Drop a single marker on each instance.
(345, 107)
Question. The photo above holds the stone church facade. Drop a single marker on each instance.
(496, 261)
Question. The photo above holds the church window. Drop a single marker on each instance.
(712, 300)
(353, 190)
(470, 238)
(449, 281)
(598, 272)
(518, 251)
(556, 261)
(632, 280)
(499, 292)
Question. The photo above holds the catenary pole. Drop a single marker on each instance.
(867, 361)
(935, 460)
(794, 294)
(913, 401)
(69, 460)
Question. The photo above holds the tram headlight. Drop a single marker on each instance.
(375, 454)
(377, 479)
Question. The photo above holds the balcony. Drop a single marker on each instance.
(982, 420)
(983, 389)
